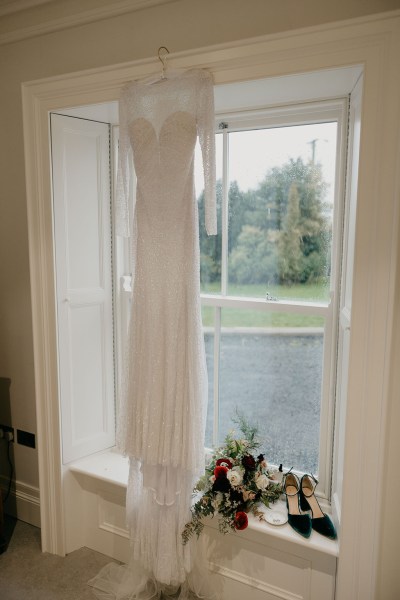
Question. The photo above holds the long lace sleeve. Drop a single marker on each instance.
(206, 131)
(124, 174)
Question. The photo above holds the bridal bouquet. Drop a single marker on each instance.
(236, 483)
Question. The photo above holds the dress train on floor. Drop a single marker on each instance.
(160, 565)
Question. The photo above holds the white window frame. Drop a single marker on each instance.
(299, 114)
(121, 268)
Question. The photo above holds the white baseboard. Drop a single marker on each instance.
(23, 502)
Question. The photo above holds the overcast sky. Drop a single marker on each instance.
(253, 153)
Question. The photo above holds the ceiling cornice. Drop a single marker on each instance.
(112, 9)
(8, 7)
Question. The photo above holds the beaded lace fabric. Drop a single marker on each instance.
(164, 391)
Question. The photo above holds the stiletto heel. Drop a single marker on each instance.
(300, 523)
(320, 522)
(302, 500)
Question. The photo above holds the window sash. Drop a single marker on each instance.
(303, 114)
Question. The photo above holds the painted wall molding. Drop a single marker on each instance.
(9, 7)
(113, 8)
(23, 502)
(251, 582)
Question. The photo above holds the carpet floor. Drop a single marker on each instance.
(26, 573)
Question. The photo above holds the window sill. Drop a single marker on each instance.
(111, 468)
(108, 466)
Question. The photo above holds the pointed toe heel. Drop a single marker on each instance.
(320, 521)
(299, 522)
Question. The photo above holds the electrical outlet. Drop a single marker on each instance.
(6, 429)
(26, 439)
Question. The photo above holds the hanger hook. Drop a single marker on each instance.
(162, 57)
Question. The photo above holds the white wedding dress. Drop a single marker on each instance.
(164, 393)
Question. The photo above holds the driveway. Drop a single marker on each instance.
(275, 380)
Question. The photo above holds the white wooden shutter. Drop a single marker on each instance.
(81, 190)
(346, 295)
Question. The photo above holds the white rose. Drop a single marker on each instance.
(235, 477)
(262, 482)
(239, 469)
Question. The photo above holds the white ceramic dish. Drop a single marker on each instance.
(275, 517)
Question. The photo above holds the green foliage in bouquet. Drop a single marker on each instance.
(235, 483)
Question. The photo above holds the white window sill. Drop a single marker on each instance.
(110, 467)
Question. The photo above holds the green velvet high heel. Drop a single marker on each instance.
(299, 522)
(320, 522)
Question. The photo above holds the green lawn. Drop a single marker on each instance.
(236, 317)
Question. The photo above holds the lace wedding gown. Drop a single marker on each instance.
(162, 411)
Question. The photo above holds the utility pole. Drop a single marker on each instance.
(313, 145)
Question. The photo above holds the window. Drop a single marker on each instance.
(269, 279)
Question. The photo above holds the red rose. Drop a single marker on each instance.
(220, 472)
(241, 521)
(224, 461)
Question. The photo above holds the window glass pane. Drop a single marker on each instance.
(238, 317)
(281, 186)
(209, 346)
(207, 313)
(273, 375)
(210, 246)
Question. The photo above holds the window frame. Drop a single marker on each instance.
(288, 115)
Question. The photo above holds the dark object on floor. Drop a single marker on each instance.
(2, 538)
(7, 524)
